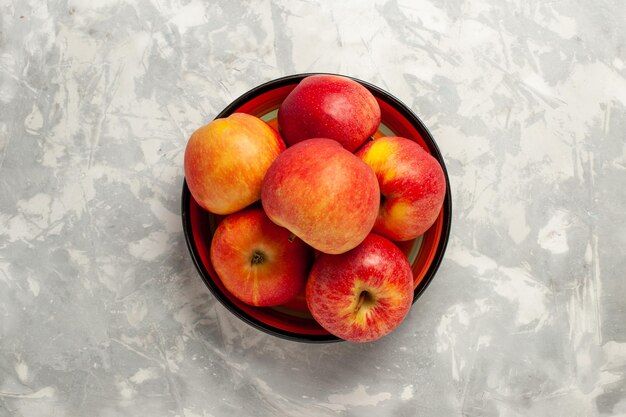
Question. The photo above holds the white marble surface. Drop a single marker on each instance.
(102, 312)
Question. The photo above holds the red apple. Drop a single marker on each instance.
(259, 262)
(323, 194)
(363, 294)
(329, 106)
(226, 160)
(412, 185)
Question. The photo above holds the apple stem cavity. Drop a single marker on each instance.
(364, 297)
(258, 258)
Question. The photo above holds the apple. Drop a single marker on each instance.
(226, 160)
(412, 186)
(363, 294)
(258, 262)
(323, 194)
(329, 106)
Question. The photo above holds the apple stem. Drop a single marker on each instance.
(362, 297)
(291, 237)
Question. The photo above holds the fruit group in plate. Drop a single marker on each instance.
(260, 263)
(363, 294)
(329, 106)
(226, 160)
(292, 319)
(412, 186)
(323, 194)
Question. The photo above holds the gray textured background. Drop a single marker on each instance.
(102, 312)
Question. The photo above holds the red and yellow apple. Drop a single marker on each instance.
(329, 106)
(226, 160)
(412, 186)
(363, 294)
(258, 262)
(323, 194)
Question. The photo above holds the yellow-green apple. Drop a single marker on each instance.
(258, 262)
(323, 194)
(363, 294)
(412, 186)
(226, 160)
(329, 106)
